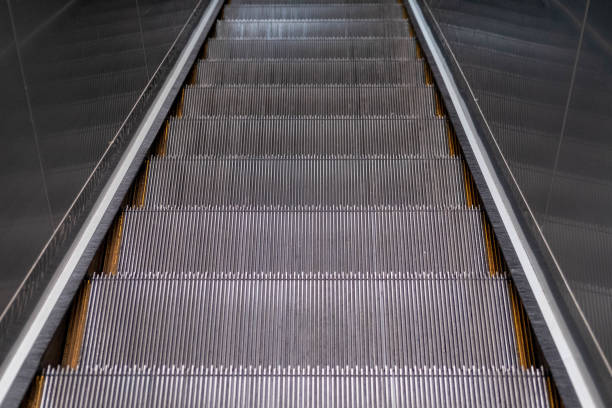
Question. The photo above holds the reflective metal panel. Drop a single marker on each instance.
(541, 72)
(70, 72)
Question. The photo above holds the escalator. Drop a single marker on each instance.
(304, 232)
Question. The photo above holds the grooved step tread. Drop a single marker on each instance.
(319, 320)
(313, 2)
(303, 236)
(311, 48)
(294, 183)
(350, 137)
(270, 29)
(295, 386)
(228, 239)
(204, 100)
(309, 11)
(306, 72)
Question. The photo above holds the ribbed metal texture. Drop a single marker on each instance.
(290, 183)
(413, 101)
(312, 29)
(305, 72)
(303, 238)
(312, 2)
(231, 240)
(312, 11)
(311, 48)
(254, 319)
(353, 137)
(294, 387)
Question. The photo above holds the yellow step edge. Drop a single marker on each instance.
(438, 104)
(111, 256)
(451, 144)
(193, 77)
(490, 247)
(405, 16)
(179, 108)
(419, 51)
(468, 191)
(162, 145)
(34, 397)
(141, 186)
(76, 328)
(428, 74)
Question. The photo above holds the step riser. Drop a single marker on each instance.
(270, 137)
(174, 387)
(313, 29)
(311, 49)
(312, 183)
(303, 241)
(305, 234)
(310, 72)
(309, 101)
(307, 12)
(254, 320)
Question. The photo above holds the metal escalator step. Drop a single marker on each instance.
(311, 48)
(256, 319)
(307, 72)
(353, 137)
(224, 239)
(294, 387)
(271, 29)
(413, 101)
(296, 183)
(309, 11)
(311, 2)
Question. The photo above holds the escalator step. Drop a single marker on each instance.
(196, 239)
(256, 319)
(272, 29)
(303, 233)
(291, 183)
(312, 2)
(293, 387)
(306, 72)
(413, 101)
(308, 12)
(311, 48)
(307, 137)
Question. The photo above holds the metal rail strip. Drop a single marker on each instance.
(14, 369)
(578, 372)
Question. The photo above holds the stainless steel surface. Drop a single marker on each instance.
(572, 365)
(378, 319)
(308, 100)
(303, 72)
(235, 240)
(290, 183)
(540, 73)
(295, 386)
(350, 137)
(306, 12)
(310, 48)
(70, 74)
(35, 309)
(277, 28)
(300, 242)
